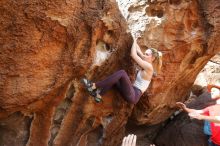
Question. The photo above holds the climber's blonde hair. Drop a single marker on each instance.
(157, 62)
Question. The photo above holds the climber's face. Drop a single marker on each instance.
(148, 52)
(148, 55)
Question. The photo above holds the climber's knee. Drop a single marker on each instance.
(122, 72)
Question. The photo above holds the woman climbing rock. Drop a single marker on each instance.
(150, 62)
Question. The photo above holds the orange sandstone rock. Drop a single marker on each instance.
(48, 46)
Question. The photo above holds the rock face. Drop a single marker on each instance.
(14, 130)
(48, 46)
(187, 38)
(210, 74)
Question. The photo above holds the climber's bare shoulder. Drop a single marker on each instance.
(147, 74)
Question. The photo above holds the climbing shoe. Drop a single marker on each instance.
(98, 97)
(88, 84)
(93, 92)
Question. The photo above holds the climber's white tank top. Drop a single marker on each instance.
(141, 83)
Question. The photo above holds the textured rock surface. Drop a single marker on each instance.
(210, 74)
(187, 38)
(47, 46)
(14, 130)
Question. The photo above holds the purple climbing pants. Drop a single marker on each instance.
(121, 80)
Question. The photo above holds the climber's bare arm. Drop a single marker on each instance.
(143, 64)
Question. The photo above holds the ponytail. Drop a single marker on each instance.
(157, 63)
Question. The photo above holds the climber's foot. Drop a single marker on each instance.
(98, 97)
(88, 84)
(93, 92)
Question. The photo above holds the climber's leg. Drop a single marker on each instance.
(123, 83)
